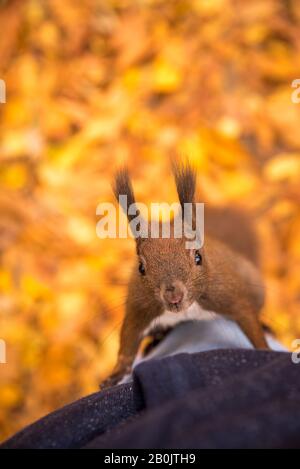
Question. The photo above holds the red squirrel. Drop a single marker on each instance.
(222, 276)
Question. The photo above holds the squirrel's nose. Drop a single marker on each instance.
(173, 294)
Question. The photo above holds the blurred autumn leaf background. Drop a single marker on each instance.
(92, 84)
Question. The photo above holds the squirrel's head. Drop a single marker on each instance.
(168, 270)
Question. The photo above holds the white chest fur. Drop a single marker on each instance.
(193, 313)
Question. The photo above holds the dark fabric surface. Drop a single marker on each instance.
(76, 424)
(216, 399)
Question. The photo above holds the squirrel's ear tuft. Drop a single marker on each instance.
(185, 180)
(122, 186)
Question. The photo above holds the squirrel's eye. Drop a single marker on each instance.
(142, 270)
(198, 258)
